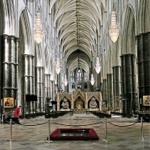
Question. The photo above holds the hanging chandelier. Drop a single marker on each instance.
(97, 66)
(92, 79)
(38, 32)
(113, 29)
(57, 66)
(65, 81)
(51, 77)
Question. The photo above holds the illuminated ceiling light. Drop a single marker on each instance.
(97, 66)
(57, 66)
(38, 32)
(92, 79)
(113, 29)
(65, 81)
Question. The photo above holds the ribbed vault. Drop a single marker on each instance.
(77, 23)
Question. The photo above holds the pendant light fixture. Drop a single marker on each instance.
(65, 81)
(92, 79)
(113, 29)
(38, 32)
(98, 65)
(57, 66)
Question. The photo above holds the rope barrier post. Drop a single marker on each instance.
(10, 130)
(142, 131)
(49, 131)
(106, 129)
(3, 117)
(105, 140)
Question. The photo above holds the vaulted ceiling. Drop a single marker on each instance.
(78, 25)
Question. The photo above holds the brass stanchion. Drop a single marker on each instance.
(105, 140)
(10, 131)
(142, 131)
(3, 118)
(49, 131)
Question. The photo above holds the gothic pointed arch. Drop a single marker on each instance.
(9, 17)
(26, 33)
(128, 38)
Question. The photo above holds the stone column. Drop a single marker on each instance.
(40, 88)
(143, 53)
(57, 85)
(47, 94)
(86, 101)
(1, 68)
(98, 81)
(29, 80)
(58, 102)
(9, 67)
(100, 101)
(128, 83)
(72, 101)
(109, 91)
(47, 86)
(51, 87)
(116, 87)
(16, 69)
(67, 87)
(53, 93)
(104, 92)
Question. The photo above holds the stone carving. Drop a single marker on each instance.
(65, 104)
(93, 103)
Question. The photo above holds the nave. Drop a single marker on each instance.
(33, 137)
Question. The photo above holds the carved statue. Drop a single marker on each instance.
(65, 104)
(93, 103)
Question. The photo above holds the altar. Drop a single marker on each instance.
(78, 100)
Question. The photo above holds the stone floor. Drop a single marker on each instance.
(122, 134)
